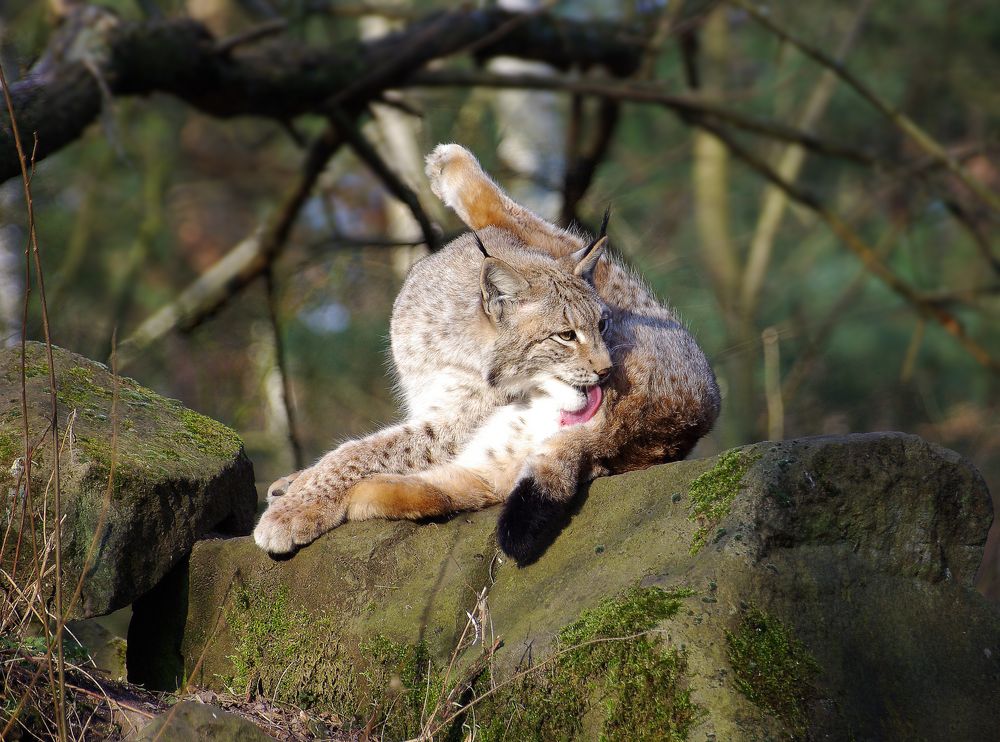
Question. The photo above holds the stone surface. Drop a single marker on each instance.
(821, 587)
(178, 475)
(191, 721)
(105, 649)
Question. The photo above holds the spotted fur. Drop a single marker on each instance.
(483, 381)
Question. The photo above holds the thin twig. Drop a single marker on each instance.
(469, 677)
(256, 33)
(899, 119)
(666, 24)
(349, 132)
(642, 93)
(859, 247)
(802, 367)
(57, 503)
(533, 669)
(970, 225)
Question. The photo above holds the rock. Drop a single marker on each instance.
(813, 588)
(191, 721)
(106, 650)
(178, 476)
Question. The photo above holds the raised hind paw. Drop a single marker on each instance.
(290, 523)
(447, 166)
(457, 179)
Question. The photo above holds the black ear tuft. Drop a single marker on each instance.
(530, 522)
(604, 221)
(480, 245)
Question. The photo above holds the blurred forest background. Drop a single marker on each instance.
(243, 221)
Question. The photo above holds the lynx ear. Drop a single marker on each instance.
(586, 259)
(499, 282)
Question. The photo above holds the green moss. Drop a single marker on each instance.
(76, 389)
(292, 656)
(607, 670)
(209, 435)
(264, 626)
(35, 368)
(712, 494)
(98, 451)
(11, 447)
(605, 667)
(772, 668)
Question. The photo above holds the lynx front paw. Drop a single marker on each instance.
(289, 523)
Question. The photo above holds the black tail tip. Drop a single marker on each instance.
(529, 523)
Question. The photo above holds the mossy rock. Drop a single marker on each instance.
(191, 721)
(141, 477)
(816, 588)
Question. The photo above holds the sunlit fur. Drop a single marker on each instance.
(484, 380)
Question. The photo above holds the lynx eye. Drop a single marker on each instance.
(603, 325)
(568, 336)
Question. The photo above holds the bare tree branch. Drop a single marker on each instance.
(281, 361)
(971, 225)
(859, 247)
(788, 165)
(366, 153)
(899, 119)
(643, 93)
(239, 267)
(581, 166)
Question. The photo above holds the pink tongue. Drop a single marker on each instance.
(594, 397)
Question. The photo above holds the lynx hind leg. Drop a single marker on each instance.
(461, 183)
(439, 491)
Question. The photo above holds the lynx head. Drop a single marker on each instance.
(548, 320)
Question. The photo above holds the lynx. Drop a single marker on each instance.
(529, 362)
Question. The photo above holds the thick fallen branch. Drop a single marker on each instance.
(279, 80)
